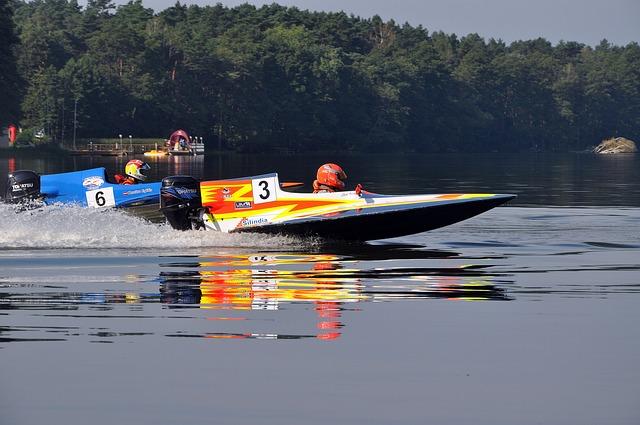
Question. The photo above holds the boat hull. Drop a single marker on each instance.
(384, 223)
(259, 204)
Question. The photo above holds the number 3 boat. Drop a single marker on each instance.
(259, 204)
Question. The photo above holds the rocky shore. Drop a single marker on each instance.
(616, 145)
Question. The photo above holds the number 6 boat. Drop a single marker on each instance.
(87, 188)
(259, 204)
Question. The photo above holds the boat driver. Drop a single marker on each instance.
(329, 178)
(135, 172)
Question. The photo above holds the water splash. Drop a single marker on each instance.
(65, 226)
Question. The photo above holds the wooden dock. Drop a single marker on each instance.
(108, 149)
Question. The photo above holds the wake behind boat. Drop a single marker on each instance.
(259, 204)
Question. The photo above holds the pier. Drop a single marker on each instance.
(108, 149)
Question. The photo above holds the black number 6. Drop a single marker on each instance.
(265, 189)
(100, 199)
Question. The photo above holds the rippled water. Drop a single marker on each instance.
(520, 315)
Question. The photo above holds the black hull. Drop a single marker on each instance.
(387, 223)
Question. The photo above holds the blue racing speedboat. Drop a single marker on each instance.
(87, 188)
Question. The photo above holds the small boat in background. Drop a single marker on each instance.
(156, 152)
(180, 143)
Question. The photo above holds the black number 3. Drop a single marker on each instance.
(265, 189)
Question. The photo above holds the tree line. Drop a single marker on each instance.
(275, 77)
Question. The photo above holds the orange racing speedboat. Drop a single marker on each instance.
(259, 204)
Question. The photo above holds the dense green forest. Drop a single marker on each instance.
(275, 77)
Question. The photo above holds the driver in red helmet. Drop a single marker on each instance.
(329, 178)
(135, 172)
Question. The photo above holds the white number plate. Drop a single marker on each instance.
(264, 190)
(100, 198)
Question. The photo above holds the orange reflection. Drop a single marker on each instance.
(267, 282)
(247, 289)
(257, 259)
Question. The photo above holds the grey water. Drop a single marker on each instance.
(526, 314)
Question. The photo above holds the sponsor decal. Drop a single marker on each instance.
(137, 191)
(253, 221)
(93, 182)
(186, 191)
(183, 192)
(344, 194)
(226, 193)
(22, 186)
(243, 205)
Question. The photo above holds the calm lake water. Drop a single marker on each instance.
(526, 314)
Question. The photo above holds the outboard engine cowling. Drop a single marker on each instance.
(22, 186)
(180, 200)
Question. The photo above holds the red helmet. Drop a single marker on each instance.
(331, 175)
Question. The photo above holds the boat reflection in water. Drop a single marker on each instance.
(331, 284)
(237, 294)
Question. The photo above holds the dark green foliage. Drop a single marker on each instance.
(9, 79)
(280, 78)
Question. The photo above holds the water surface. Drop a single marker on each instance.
(547, 179)
(521, 315)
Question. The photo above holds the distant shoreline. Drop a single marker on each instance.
(281, 79)
(54, 151)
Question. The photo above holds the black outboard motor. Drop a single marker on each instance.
(180, 200)
(22, 186)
